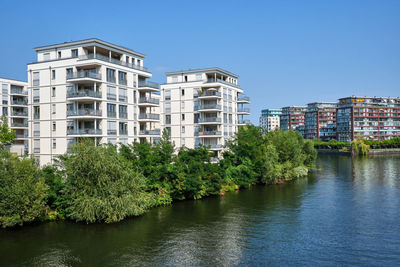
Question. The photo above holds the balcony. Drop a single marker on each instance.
(84, 131)
(149, 101)
(84, 113)
(19, 113)
(210, 133)
(244, 122)
(213, 80)
(84, 76)
(112, 60)
(243, 99)
(123, 115)
(112, 131)
(150, 132)
(21, 102)
(210, 146)
(17, 91)
(208, 107)
(149, 86)
(21, 136)
(149, 117)
(84, 94)
(210, 94)
(209, 120)
(244, 111)
(19, 124)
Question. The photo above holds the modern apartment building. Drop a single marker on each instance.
(292, 117)
(320, 121)
(14, 106)
(92, 89)
(202, 107)
(373, 118)
(270, 119)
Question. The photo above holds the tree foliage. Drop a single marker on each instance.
(6, 134)
(23, 191)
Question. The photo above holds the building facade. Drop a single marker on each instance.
(14, 106)
(202, 107)
(270, 119)
(292, 117)
(89, 89)
(372, 118)
(320, 121)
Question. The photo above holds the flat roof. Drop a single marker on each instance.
(88, 41)
(9, 79)
(375, 97)
(214, 69)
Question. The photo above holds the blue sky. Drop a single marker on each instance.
(286, 52)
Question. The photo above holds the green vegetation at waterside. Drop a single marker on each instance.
(358, 146)
(106, 184)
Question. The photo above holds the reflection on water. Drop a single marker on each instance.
(345, 213)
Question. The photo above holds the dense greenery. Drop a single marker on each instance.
(23, 191)
(6, 134)
(106, 184)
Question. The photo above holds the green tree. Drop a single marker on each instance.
(101, 186)
(6, 134)
(23, 191)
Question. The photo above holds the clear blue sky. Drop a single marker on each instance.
(286, 52)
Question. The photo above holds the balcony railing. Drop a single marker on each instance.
(25, 135)
(36, 150)
(18, 91)
(112, 131)
(149, 84)
(19, 124)
(149, 116)
(212, 146)
(244, 98)
(201, 120)
(84, 131)
(244, 122)
(150, 132)
(19, 102)
(213, 80)
(123, 115)
(208, 106)
(210, 133)
(111, 96)
(244, 110)
(123, 98)
(210, 93)
(83, 93)
(19, 113)
(111, 114)
(84, 112)
(84, 74)
(149, 100)
(112, 60)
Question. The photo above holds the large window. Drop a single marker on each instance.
(111, 112)
(111, 127)
(36, 129)
(123, 111)
(167, 95)
(110, 75)
(122, 77)
(36, 112)
(123, 128)
(74, 53)
(111, 93)
(167, 119)
(122, 95)
(36, 79)
(36, 146)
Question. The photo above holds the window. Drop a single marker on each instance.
(183, 117)
(225, 118)
(111, 112)
(4, 88)
(59, 54)
(183, 141)
(139, 62)
(168, 130)
(127, 59)
(36, 146)
(230, 118)
(46, 56)
(110, 75)
(36, 129)
(183, 129)
(111, 127)
(123, 111)
(5, 100)
(134, 97)
(182, 104)
(53, 92)
(123, 128)
(5, 111)
(134, 130)
(167, 119)
(195, 93)
(54, 143)
(122, 77)
(53, 74)
(36, 95)
(54, 126)
(74, 53)
(36, 79)
(167, 107)
(196, 118)
(111, 93)
(112, 141)
(36, 112)
(70, 72)
(53, 109)
(167, 95)
(122, 95)
(186, 78)
(183, 92)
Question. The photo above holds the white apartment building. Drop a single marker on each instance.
(92, 89)
(203, 106)
(14, 106)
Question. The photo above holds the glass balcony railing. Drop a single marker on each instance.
(84, 131)
(202, 120)
(208, 106)
(84, 112)
(210, 93)
(21, 102)
(149, 100)
(213, 80)
(84, 74)
(149, 84)
(83, 93)
(112, 60)
(244, 121)
(211, 146)
(19, 113)
(208, 133)
(149, 116)
(18, 91)
(243, 110)
(19, 124)
(244, 98)
(150, 132)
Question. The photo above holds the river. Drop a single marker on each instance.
(345, 213)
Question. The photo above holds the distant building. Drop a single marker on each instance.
(14, 106)
(320, 121)
(292, 117)
(270, 119)
(372, 118)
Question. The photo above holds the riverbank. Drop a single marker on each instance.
(381, 151)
